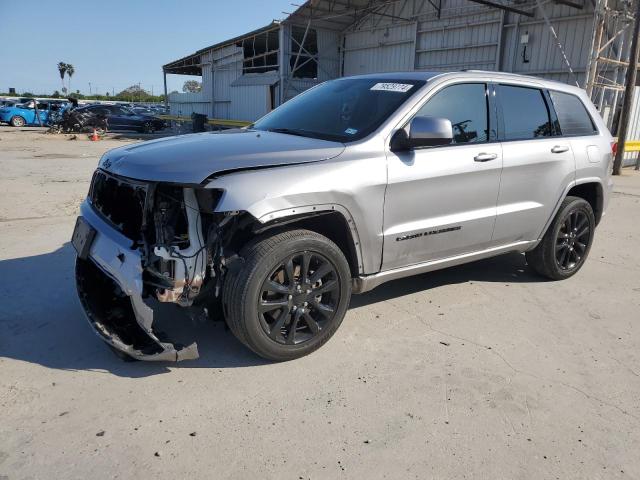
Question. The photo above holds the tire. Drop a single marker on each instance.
(265, 309)
(148, 127)
(566, 244)
(17, 121)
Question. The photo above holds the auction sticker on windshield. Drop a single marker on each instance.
(393, 87)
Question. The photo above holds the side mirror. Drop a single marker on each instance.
(423, 132)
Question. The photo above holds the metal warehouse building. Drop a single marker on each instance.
(583, 42)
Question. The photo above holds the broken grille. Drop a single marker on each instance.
(120, 201)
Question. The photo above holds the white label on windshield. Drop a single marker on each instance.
(393, 87)
(351, 131)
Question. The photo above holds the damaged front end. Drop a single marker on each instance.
(147, 242)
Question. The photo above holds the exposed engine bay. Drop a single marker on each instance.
(178, 249)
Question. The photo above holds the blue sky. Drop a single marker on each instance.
(116, 43)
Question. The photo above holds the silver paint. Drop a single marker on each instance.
(452, 204)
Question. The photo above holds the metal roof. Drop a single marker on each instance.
(191, 64)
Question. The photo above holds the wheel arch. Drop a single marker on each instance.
(592, 192)
(18, 116)
(331, 221)
(590, 189)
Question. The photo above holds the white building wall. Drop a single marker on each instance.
(184, 104)
(633, 133)
(410, 36)
(384, 48)
(249, 102)
(226, 68)
(470, 36)
(328, 54)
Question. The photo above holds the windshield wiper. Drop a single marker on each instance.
(290, 131)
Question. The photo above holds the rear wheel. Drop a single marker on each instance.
(148, 127)
(565, 247)
(17, 121)
(289, 296)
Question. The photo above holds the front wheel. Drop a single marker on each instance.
(289, 294)
(565, 247)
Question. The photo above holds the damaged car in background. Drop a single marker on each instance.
(272, 227)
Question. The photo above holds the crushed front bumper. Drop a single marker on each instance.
(109, 284)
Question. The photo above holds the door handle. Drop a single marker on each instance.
(485, 157)
(559, 149)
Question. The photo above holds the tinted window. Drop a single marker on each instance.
(344, 110)
(572, 114)
(466, 107)
(525, 113)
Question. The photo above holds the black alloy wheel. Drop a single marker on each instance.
(148, 127)
(299, 298)
(288, 293)
(565, 246)
(573, 238)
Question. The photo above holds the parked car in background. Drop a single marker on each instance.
(120, 117)
(22, 114)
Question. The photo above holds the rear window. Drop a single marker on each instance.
(525, 113)
(572, 115)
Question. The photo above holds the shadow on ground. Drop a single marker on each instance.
(41, 320)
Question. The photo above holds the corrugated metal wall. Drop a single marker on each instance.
(471, 36)
(185, 104)
(408, 35)
(227, 67)
(574, 28)
(634, 128)
(328, 54)
(249, 102)
(380, 49)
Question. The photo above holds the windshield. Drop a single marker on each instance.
(341, 110)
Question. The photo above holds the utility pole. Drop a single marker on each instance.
(628, 95)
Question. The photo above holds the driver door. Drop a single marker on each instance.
(441, 201)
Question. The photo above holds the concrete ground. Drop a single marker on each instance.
(480, 371)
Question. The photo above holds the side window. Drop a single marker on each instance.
(572, 115)
(466, 106)
(525, 113)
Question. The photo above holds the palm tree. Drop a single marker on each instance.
(62, 69)
(70, 72)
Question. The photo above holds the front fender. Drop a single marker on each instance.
(345, 187)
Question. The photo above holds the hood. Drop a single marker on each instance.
(194, 157)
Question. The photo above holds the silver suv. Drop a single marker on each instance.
(351, 184)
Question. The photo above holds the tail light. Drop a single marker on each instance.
(614, 148)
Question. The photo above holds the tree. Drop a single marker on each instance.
(192, 86)
(134, 92)
(70, 72)
(56, 94)
(62, 69)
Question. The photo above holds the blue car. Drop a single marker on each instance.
(25, 113)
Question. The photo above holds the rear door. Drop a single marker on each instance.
(441, 201)
(538, 163)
